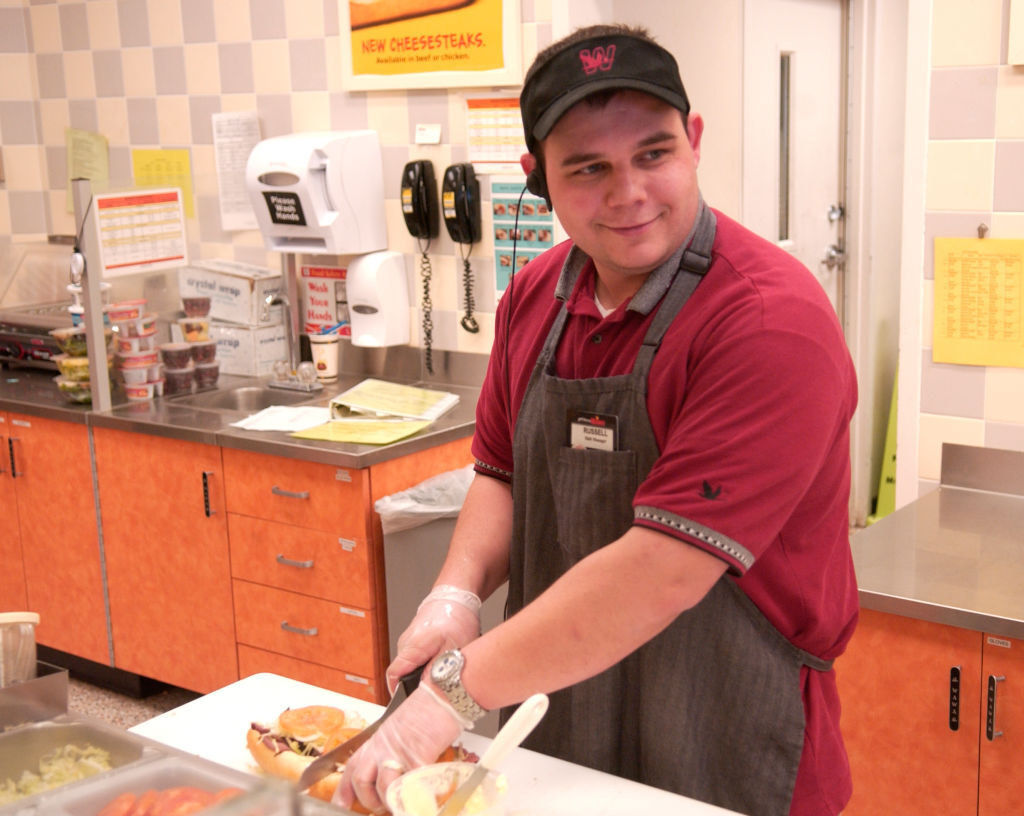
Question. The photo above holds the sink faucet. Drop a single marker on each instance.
(280, 299)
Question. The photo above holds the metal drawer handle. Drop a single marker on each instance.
(279, 491)
(288, 562)
(10, 449)
(311, 632)
(954, 698)
(990, 714)
(206, 493)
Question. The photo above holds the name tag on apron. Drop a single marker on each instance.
(592, 431)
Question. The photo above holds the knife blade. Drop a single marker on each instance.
(324, 764)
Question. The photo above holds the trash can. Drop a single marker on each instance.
(418, 524)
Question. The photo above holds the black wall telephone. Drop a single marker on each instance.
(419, 199)
(460, 203)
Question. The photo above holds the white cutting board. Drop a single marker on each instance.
(214, 727)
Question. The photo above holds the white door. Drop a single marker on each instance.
(793, 104)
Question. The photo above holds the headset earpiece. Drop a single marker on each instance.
(536, 184)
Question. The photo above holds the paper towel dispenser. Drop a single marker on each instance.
(319, 192)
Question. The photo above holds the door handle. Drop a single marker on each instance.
(290, 562)
(834, 256)
(206, 493)
(10, 449)
(990, 714)
(311, 632)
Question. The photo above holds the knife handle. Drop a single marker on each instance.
(411, 680)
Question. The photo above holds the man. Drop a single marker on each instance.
(662, 475)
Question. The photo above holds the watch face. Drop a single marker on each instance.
(444, 667)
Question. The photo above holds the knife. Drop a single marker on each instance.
(513, 732)
(324, 764)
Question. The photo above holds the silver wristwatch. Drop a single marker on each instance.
(446, 674)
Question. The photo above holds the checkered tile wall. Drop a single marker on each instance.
(149, 74)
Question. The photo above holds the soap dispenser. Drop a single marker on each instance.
(378, 299)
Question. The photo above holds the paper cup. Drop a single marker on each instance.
(324, 350)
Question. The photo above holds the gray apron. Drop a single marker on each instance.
(711, 707)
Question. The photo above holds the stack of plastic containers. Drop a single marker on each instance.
(192, 364)
(137, 360)
(73, 363)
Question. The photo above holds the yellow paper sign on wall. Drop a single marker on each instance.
(978, 301)
(165, 168)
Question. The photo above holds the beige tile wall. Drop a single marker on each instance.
(149, 74)
(975, 175)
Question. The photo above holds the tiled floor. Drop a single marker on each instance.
(120, 709)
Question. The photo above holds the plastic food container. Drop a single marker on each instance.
(133, 344)
(138, 358)
(178, 381)
(136, 374)
(176, 355)
(71, 340)
(17, 647)
(74, 390)
(423, 791)
(207, 374)
(140, 392)
(204, 351)
(196, 305)
(75, 369)
(136, 326)
(194, 329)
(126, 310)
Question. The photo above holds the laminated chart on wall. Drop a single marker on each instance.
(165, 167)
(140, 231)
(527, 226)
(978, 302)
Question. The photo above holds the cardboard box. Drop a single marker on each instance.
(237, 291)
(249, 350)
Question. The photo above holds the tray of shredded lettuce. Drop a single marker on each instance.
(61, 766)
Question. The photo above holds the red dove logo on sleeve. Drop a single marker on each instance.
(597, 59)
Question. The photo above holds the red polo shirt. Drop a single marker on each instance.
(750, 398)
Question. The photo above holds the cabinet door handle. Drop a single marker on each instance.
(280, 491)
(311, 632)
(990, 715)
(954, 698)
(288, 562)
(206, 493)
(10, 449)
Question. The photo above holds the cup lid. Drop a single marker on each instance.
(19, 617)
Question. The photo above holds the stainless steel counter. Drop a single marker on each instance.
(956, 555)
(33, 392)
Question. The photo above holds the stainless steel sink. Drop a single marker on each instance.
(245, 398)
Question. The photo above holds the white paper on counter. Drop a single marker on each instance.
(234, 137)
(285, 418)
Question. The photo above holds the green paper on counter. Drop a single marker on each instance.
(363, 431)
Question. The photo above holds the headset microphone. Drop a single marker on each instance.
(537, 185)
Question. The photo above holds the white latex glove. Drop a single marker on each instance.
(448, 618)
(418, 731)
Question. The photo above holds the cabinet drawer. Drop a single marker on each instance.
(307, 494)
(307, 628)
(312, 562)
(254, 661)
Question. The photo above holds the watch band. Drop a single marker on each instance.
(446, 673)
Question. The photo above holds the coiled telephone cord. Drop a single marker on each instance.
(428, 321)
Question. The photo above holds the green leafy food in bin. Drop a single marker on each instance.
(63, 765)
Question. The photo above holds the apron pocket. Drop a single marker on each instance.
(593, 493)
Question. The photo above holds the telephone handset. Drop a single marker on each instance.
(419, 199)
(460, 204)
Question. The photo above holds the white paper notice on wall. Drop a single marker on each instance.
(234, 137)
(1015, 50)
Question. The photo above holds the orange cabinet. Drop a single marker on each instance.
(53, 485)
(168, 566)
(12, 572)
(914, 706)
(307, 559)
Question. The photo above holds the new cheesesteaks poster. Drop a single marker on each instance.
(430, 43)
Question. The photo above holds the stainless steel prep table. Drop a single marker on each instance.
(954, 556)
